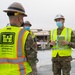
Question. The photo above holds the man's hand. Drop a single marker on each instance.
(52, 43)
(64, 42)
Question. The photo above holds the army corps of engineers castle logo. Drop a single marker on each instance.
(7, 37)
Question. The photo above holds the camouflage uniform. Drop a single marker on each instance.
(63, 63)
(31, 54)
(31, 48)
(34, 63)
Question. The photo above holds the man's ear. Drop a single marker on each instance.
(19, 18)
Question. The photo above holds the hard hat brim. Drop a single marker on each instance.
(58, 18)
(28, 24)
(9, 10)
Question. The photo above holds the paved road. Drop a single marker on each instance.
(44, 64)
(46, 69)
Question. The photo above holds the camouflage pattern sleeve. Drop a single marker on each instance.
(50, 36)
(72, 43)
(49, 40)
(31, 50)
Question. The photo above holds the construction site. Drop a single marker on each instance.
(42, 38)
(44, 65)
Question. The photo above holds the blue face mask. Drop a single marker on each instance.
(27, 28)
(59, 24)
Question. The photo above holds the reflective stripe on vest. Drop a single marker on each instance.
(13, 60)
(20, 59)
(67, 31)
(67, 35)
(61, 50)
(20, 51)
(19, 42)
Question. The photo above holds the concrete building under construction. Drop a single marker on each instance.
(42, 38)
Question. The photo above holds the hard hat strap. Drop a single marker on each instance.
(13, 13)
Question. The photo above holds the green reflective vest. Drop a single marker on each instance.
(12, 54)
(32, 34)
(64, 50)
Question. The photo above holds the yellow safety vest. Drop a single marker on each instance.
(32, 34)
(12, 54)
(65, 50)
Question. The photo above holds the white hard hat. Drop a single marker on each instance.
(59, 16)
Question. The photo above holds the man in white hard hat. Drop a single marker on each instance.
(62, 40)
(16, 44)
